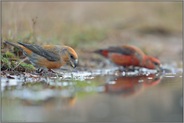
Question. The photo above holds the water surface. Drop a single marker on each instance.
(94, 96)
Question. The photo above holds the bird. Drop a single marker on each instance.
(129, 55)
(131, 85)
(48, 56)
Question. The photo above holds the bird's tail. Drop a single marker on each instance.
(13, 44)
(98, 51)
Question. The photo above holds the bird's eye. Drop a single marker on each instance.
(71, 56)
(155, 63)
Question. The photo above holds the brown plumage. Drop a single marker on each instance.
(48, 56)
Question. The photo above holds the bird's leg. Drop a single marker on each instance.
(50, 70)
(121, 68)
(43, 72)
(131, 68)
(126, 68)
(39, 70)
(57, 74)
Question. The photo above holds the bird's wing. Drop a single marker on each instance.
(48, 54)
(121, 50)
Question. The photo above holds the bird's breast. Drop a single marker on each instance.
(49, 64)
(124, 60)
(40, 61)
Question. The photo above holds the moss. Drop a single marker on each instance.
(9, 62)
(5, 63)
(26, 67)
(8, 55)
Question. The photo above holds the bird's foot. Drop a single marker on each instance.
(40, 70)
(50, 70)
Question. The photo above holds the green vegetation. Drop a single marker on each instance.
(10, 62)
(8, 55)
(26, 67)
(5, 63)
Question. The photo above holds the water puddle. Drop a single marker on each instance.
(76, 88)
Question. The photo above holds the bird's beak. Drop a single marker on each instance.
(74, 63)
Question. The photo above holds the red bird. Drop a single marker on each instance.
(127, 55)
(128, 85)
(48, 56)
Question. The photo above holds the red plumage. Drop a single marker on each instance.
(127, 55)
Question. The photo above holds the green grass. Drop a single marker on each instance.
(26, 67)
(5, 63)
(9, 61)
(8, 55)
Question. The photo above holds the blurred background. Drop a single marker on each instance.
(155, 27)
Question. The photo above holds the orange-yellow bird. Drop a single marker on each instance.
(129, 56)
(48, 56)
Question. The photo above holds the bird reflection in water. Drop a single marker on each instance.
(61, 97)
(131, 85)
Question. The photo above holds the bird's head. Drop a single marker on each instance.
(70, 56)
(152, 63)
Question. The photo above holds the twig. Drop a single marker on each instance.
(20, 62)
